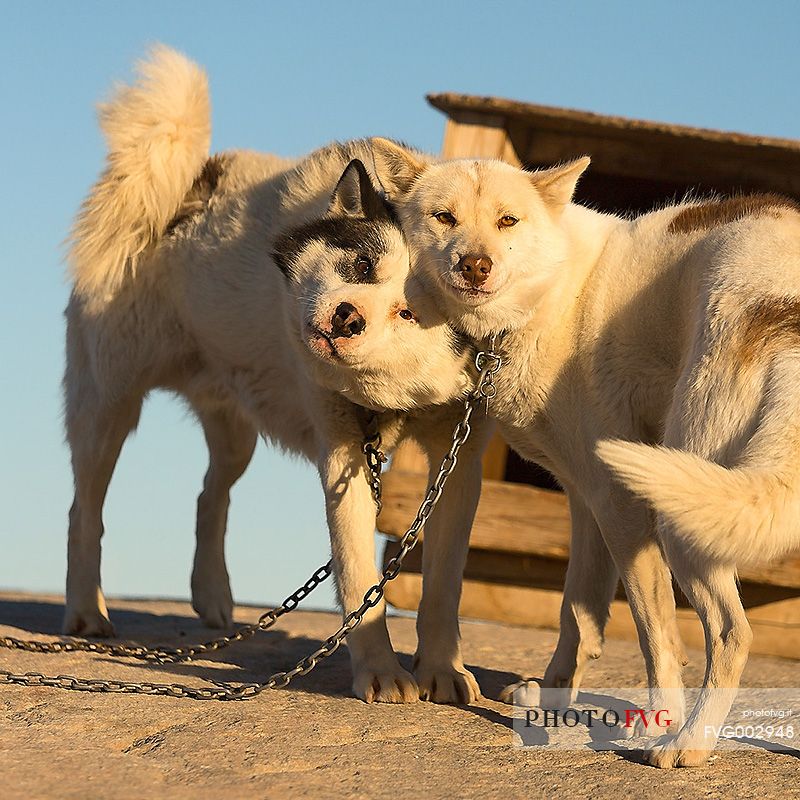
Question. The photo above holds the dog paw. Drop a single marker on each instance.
(213, 601)
(216, 612)
(522, 693)
(667, 719)
(390, 684)
(449, 684)
(531, 694)
(676, 751)
(87, 622)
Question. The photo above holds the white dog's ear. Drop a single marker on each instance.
(356, 196)
(557, 185)
(397, 167)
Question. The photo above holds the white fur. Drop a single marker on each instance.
(631, 331)
(737, 516)
(158, 133)
(176, 288)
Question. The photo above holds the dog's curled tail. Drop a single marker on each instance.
(158, 132)
(743, 515)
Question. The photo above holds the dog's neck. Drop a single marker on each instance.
(536, 352)
(586, 235)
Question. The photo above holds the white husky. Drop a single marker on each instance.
(236, 282)
(676, 334)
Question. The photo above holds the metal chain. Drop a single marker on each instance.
(371, 448)
(488, 362)
(174, 655)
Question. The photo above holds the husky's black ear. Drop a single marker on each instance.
(396, 166)
(356, 196)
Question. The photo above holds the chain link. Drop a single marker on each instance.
(487, 362)
(375, 458)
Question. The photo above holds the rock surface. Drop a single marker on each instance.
(315, 739)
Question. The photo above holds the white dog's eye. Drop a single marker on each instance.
(446, 218)
(363, 266)
(406, 313)
(507, 221)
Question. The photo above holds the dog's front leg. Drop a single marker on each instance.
(377, 674)
(438, 664)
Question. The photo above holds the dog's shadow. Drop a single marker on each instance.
(253, 660)
(37, 616)
(250, 661)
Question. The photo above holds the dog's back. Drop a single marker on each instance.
(736, 493)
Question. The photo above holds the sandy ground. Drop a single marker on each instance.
(314, 738)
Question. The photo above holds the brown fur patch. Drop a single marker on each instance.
(768, 324)
(197, 197)
(720, 212)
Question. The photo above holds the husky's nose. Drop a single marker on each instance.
(347, 321)
(475, 269)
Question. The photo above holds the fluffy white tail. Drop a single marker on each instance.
(740, 516)
(158, 133)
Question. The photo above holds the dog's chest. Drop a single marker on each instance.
(520, 405)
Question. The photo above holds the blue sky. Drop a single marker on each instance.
(287, 78)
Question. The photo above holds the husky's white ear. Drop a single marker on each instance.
(397, 167)
(355, 195)
(557, 185)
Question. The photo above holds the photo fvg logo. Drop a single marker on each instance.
(625, 718)
(609, 718)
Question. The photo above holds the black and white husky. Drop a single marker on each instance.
(274, 296)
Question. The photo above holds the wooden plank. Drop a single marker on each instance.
(540, 608)
(512, 569)
(409, 457)
(781, 573)
(775, 624)
(494, 458)
(470, 136)
(516, 518)
(511, 516)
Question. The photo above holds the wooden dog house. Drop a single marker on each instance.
(520, 542)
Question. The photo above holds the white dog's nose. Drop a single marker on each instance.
(475, 268)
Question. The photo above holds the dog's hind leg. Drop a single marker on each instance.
(713, 592)
(589, 587)
(96, 432)
(629, 535)
(231, 441)
(741, 415)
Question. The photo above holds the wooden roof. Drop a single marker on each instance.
(631, 148)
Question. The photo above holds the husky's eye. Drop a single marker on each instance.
(406, 313)
(507, 221)
(446, 218)
(363, 266)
